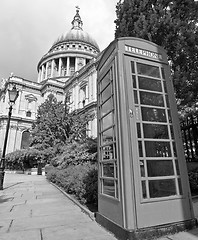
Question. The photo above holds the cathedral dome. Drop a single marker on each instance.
(76, 34)
(69, 53)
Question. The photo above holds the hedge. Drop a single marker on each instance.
(79, 180)
(193, 180)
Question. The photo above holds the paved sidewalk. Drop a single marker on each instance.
(33, 209)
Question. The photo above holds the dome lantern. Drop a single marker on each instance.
(77, 22)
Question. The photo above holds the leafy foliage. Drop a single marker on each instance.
(80, 180)
(23, 159)
(172, 25)
(75, 153)
(193, 180)
(55, 126)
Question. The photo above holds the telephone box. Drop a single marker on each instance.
(143, 181)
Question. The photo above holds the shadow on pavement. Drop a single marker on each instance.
(2, 199)
(12, 185)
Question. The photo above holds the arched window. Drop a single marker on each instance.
(25, 141)
(28, 114)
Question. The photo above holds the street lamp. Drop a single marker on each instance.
(13, 94)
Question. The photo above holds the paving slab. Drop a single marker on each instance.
(91, 231)
(48, 221)
(22, 235)
(4, 225)
(25, 213)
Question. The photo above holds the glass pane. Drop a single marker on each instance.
(135, 97)
(157, 149)
(172, 132)
(105, 81)
(107, 152)
(107, 136)
(153, 114)
(106, 94)
(154, 99)
(144, 195)
(107, 121)
(163, 73)
(167, 101)
(138, 130)
(156, 168)
(116, 188)
(174, 150)
(165, 88)
(109, 187)
(108, 170)
(162, 188)
(169, 116)
(116, 170)
(115, 151)
(134, 81)
(148, 70)
(177, 167)
(132, 67)
(155, 131)
(106, 107)
(180, 186)
(140, 148)
(150, 84)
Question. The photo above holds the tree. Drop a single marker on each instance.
(55, 126)
(172, 24)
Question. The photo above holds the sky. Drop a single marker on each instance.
(28, 28)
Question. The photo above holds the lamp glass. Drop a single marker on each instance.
(13, 94)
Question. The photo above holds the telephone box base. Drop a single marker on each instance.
(144, 233)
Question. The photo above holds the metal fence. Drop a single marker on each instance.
(189, 129)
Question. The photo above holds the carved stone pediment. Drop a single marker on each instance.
(30, 98)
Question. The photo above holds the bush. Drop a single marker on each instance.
(76, 153)
(22, 159)
(91, 186)
(80, 180)
(193, 180)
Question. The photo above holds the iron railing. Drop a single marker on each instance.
(189, 129)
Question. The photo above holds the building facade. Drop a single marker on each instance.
(68, 68)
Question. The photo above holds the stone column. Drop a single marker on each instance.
(68, 63)
(46, 69)
(59, 67)
(89, 88)
(42, 73)
(76, 64)
(94, 86)
(52, 68)
(86, 93)
(39, 76)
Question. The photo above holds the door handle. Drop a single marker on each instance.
(131, 113)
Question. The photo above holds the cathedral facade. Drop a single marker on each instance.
(68, 68)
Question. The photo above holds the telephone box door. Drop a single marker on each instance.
(161, 195)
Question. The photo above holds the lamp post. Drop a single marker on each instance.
(13, 94)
